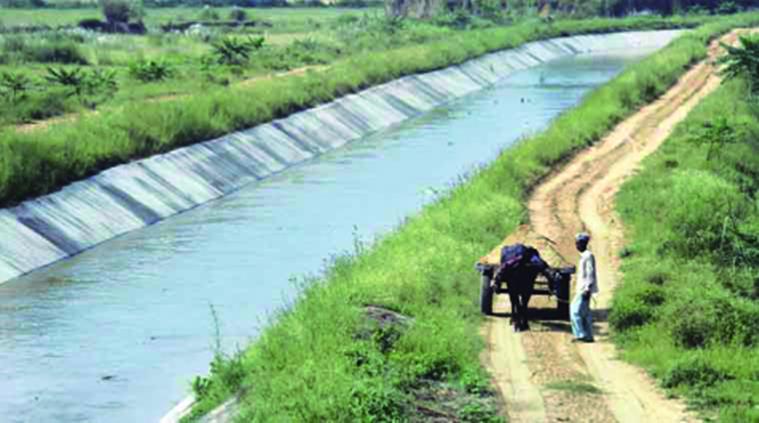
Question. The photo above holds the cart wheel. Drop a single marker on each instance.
(562, 307)
(486, 295)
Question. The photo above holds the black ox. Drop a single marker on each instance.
(519, 268)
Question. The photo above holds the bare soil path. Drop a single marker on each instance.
(540, 374)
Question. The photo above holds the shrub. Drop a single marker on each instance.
(693, 371)
(209, 14)
(122, 11)
(727, 8)
(698, 206)
(150, 70)
(236, 51)
(627, 314)
(46, 49)
(714, 318)
(72, 79)
(238, 15)
(741, 61)
(693, 327)
(14, 85)
(65, 52)
(717, 134)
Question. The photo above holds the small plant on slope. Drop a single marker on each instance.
(717, 134)
(73, 79)
(236, 52)
(15, 85)
(150, 70)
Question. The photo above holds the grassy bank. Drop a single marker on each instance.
(309, 364)
(37, 163)
(689, 307)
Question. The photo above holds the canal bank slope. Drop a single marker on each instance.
(310, 364)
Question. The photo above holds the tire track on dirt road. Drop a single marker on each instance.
(580, 196)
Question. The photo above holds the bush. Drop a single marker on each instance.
(714, 318)
(238, 15)
(209, 14)
(64, 52)
(122, 11)
(741, 61)
(150, 70)
(727, 8)
(698, 206)
(14, 86)
(235, 51)
(693, 371)
(627, 314)
(46, 49)
(693, 327)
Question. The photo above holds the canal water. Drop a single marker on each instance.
(117, 333)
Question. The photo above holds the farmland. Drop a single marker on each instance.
(166, 63)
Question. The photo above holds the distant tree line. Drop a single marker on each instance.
(81, 4)
(580, 8)
(626, 7)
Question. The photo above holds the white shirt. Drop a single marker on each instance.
(586, 273)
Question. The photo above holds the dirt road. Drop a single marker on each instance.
(541, 375)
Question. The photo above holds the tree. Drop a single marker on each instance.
(743, 61)
(122, 11)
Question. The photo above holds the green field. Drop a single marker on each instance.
(293, 38)
(688, 309)
(309, 365)
(282, 19)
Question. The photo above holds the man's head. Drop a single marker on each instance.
(581, 241)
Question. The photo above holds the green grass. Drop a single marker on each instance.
(689, 306)
(309, 365)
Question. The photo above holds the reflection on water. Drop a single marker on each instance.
(116, 333)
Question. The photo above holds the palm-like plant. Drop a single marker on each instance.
(102, 80)
(15, 84)
(235, 51)
(73, 79)
(151, 70)
(743, 61)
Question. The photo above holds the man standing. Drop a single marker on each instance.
(587, 285)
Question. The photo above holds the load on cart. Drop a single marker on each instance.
(519, 268)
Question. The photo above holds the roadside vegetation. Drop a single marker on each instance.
(689, 307)
(311, 363)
